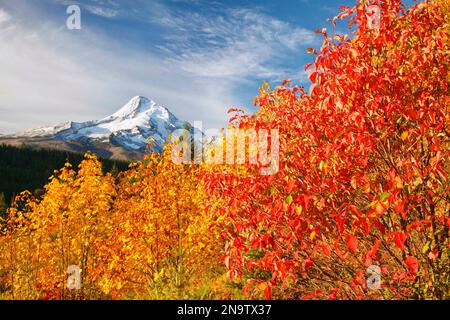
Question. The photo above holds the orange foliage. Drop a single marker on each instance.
(362, 187)
(65, 228)
(363, 179)
(163, 233)
(148, 234)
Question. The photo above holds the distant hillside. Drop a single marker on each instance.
(26, 168)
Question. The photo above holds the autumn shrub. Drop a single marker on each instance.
(65, 228)
(362, 192)
(358, 207)
(161, 244)
(146, 236)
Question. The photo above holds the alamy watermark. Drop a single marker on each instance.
(73, 22)
(373, 281)
(74, 277)
(373, 14)
(259, 147)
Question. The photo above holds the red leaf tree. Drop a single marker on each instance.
(362, 191)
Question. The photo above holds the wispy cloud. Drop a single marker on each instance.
(236, 44)
(103, 8)
(50, 74)
(53, 75)
(101, 11)
(4, 17)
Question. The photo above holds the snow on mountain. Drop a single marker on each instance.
(131, 127)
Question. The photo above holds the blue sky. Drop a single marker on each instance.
(196, 57)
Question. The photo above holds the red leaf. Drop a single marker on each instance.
(400, 208)
(312, 75)
(268, 292)
(413, 264)
(352, 243)
(307, 263)
(308, 65)
(374, 249)
(290, 186)
(332, 295)
(326, 249)
(372, 253)
(399, 239)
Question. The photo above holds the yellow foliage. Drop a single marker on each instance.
(148, 235)
(67, 227)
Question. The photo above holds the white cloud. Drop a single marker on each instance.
(4, 17)
(238, 44)
(50, 74)
(103, 8)
(102, 11)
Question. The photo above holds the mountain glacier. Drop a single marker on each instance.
(132, 127)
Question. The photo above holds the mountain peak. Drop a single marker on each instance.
(136, 105)
(139, 98)
(130, 127)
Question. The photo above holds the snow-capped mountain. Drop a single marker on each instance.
(132, 128)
